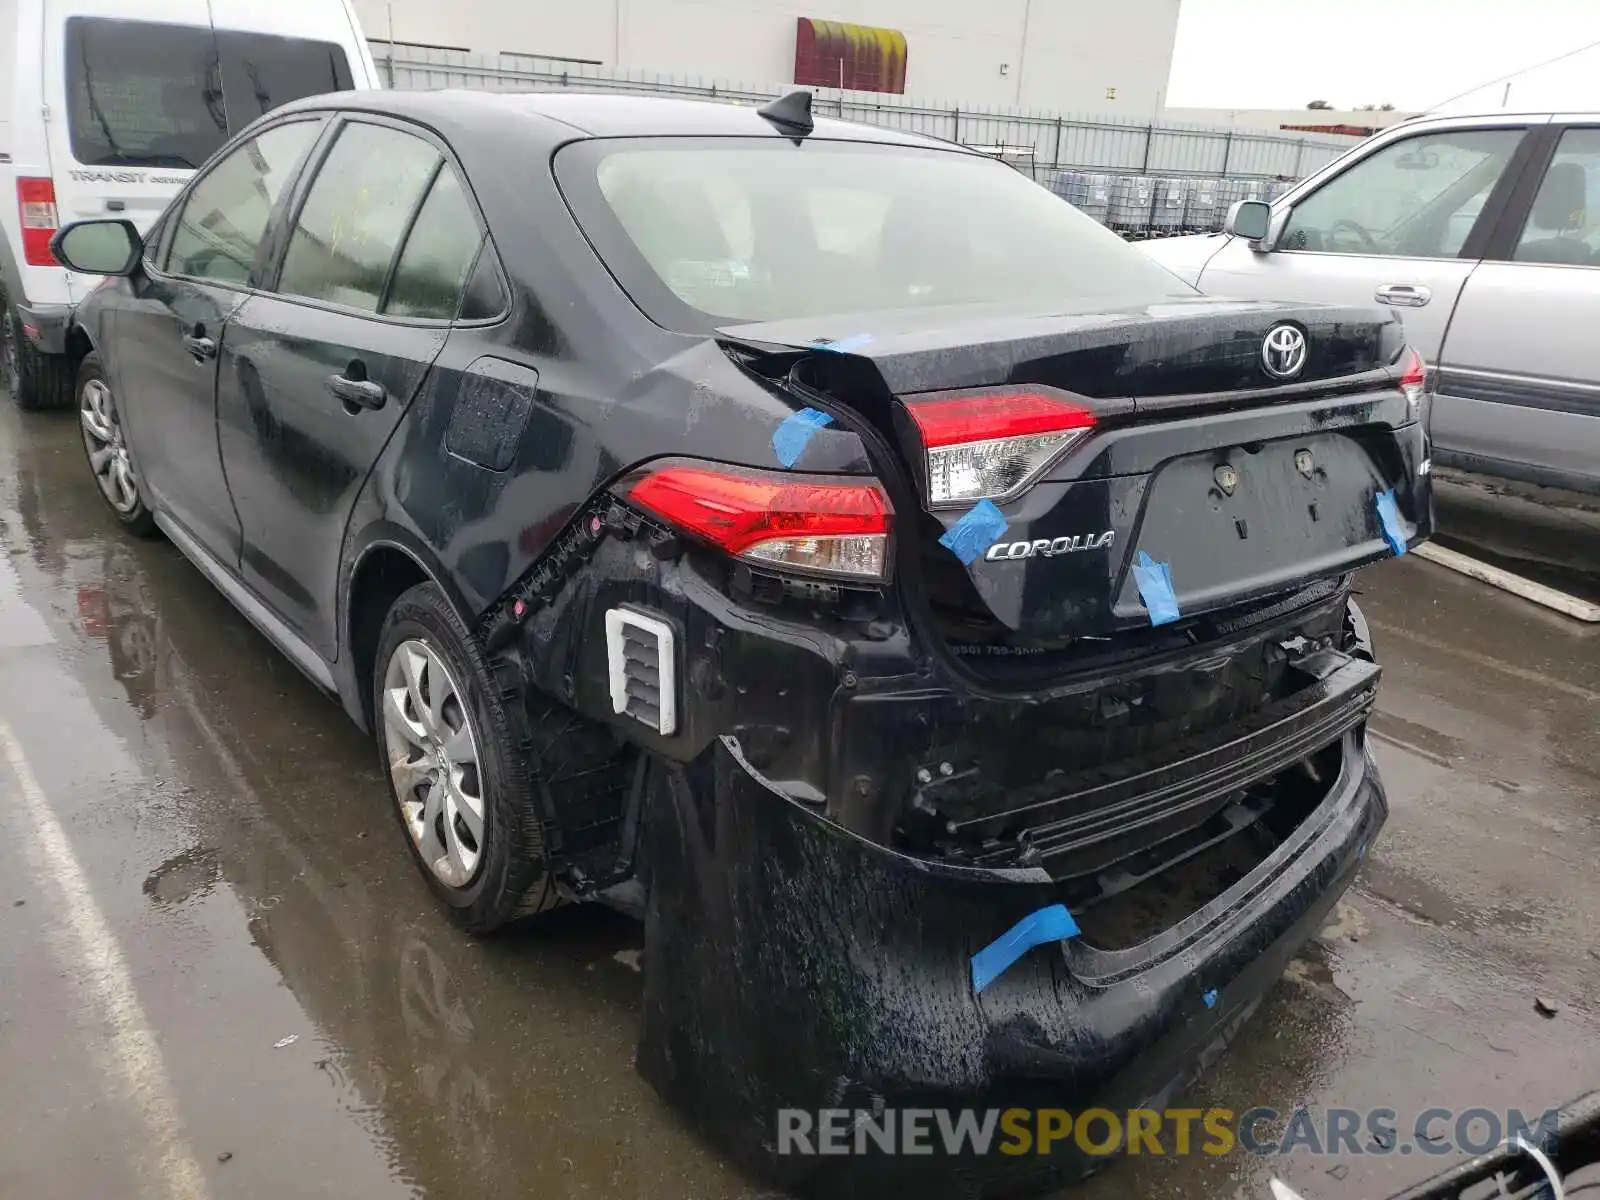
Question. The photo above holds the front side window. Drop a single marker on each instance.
(1415, 198)
(146, 94)
(1563, 227)
(756, 230)
(225, 216)
(356, 214)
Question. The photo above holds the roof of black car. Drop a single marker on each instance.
(563, 114)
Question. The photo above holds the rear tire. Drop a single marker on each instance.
(465, 788)
(36, 380)
(104, 445)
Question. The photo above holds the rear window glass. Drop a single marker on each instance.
(755, 230)
(143, 94)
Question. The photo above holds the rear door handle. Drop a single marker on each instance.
(1403, 295)
(199, 346)
(357, 393)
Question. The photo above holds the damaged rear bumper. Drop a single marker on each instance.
(791, 964)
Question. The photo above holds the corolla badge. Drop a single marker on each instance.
(1050, 547)
(1283, 351)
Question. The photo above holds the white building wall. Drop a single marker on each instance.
(1063, 55)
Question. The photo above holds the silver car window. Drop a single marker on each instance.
(1416, 198)
(1563, 226)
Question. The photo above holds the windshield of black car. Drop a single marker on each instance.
(145, 94)
(702, 231)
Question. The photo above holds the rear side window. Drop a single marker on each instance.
(145, 94)
(355, 215)
(261, 72)
(226, 213)
(440, 250)
(702, 233)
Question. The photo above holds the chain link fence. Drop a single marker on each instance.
(1152, 179)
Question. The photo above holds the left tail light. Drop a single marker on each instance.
(992, 445)
(36, 205)
(835, 526)
(1413, 379)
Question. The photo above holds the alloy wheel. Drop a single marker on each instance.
(433, 761)
(108, 453)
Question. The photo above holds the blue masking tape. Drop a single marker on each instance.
(1210, 998)
(789, 442)
(1052, 924)
(845, 345)
(1394, 529)
(975, 532)
(1154, 581)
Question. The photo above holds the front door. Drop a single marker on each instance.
(1519, 394)
(172, 337)
(1395, 227)
(323, 368)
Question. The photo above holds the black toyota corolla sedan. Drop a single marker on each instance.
(818, 539)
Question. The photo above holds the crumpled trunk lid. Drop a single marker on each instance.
(1204, 484)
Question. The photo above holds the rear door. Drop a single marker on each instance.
(1402, 225)
(1519, 389)
(324, 362)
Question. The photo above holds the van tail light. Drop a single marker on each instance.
(1413, 379)
(830, 525)
(991, 445)
(36, 202)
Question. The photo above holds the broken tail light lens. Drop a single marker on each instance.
(1413, 379)
(36, 205)
(815, 524)
(992, 445)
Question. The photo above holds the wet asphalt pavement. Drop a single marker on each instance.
(221, 977)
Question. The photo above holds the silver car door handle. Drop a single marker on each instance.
(1403, 295)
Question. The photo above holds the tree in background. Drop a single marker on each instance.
(1320, 105)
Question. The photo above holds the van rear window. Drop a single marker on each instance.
(144, 94)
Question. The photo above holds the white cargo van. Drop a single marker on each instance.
(106, 109)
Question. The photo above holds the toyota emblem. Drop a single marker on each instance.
(1283, 351)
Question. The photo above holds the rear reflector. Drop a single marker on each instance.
(36, 204)
(817, 524)
(991, 446)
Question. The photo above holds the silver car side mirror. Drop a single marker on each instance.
(1249, 219)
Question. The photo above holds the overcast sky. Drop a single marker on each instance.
(1409, 53)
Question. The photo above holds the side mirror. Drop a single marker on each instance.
(99, 247)
(1249, 219)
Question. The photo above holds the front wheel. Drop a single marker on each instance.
(107, 448)
(469, 804)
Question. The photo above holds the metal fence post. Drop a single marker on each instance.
(957, 115)
(1149, 139)
(1056, 159)
(1227, 148)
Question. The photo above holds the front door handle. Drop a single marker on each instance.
(357, 393)
(1403, 295)
(199, 346)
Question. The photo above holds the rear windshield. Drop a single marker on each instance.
(142, 94)
(705, 232)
